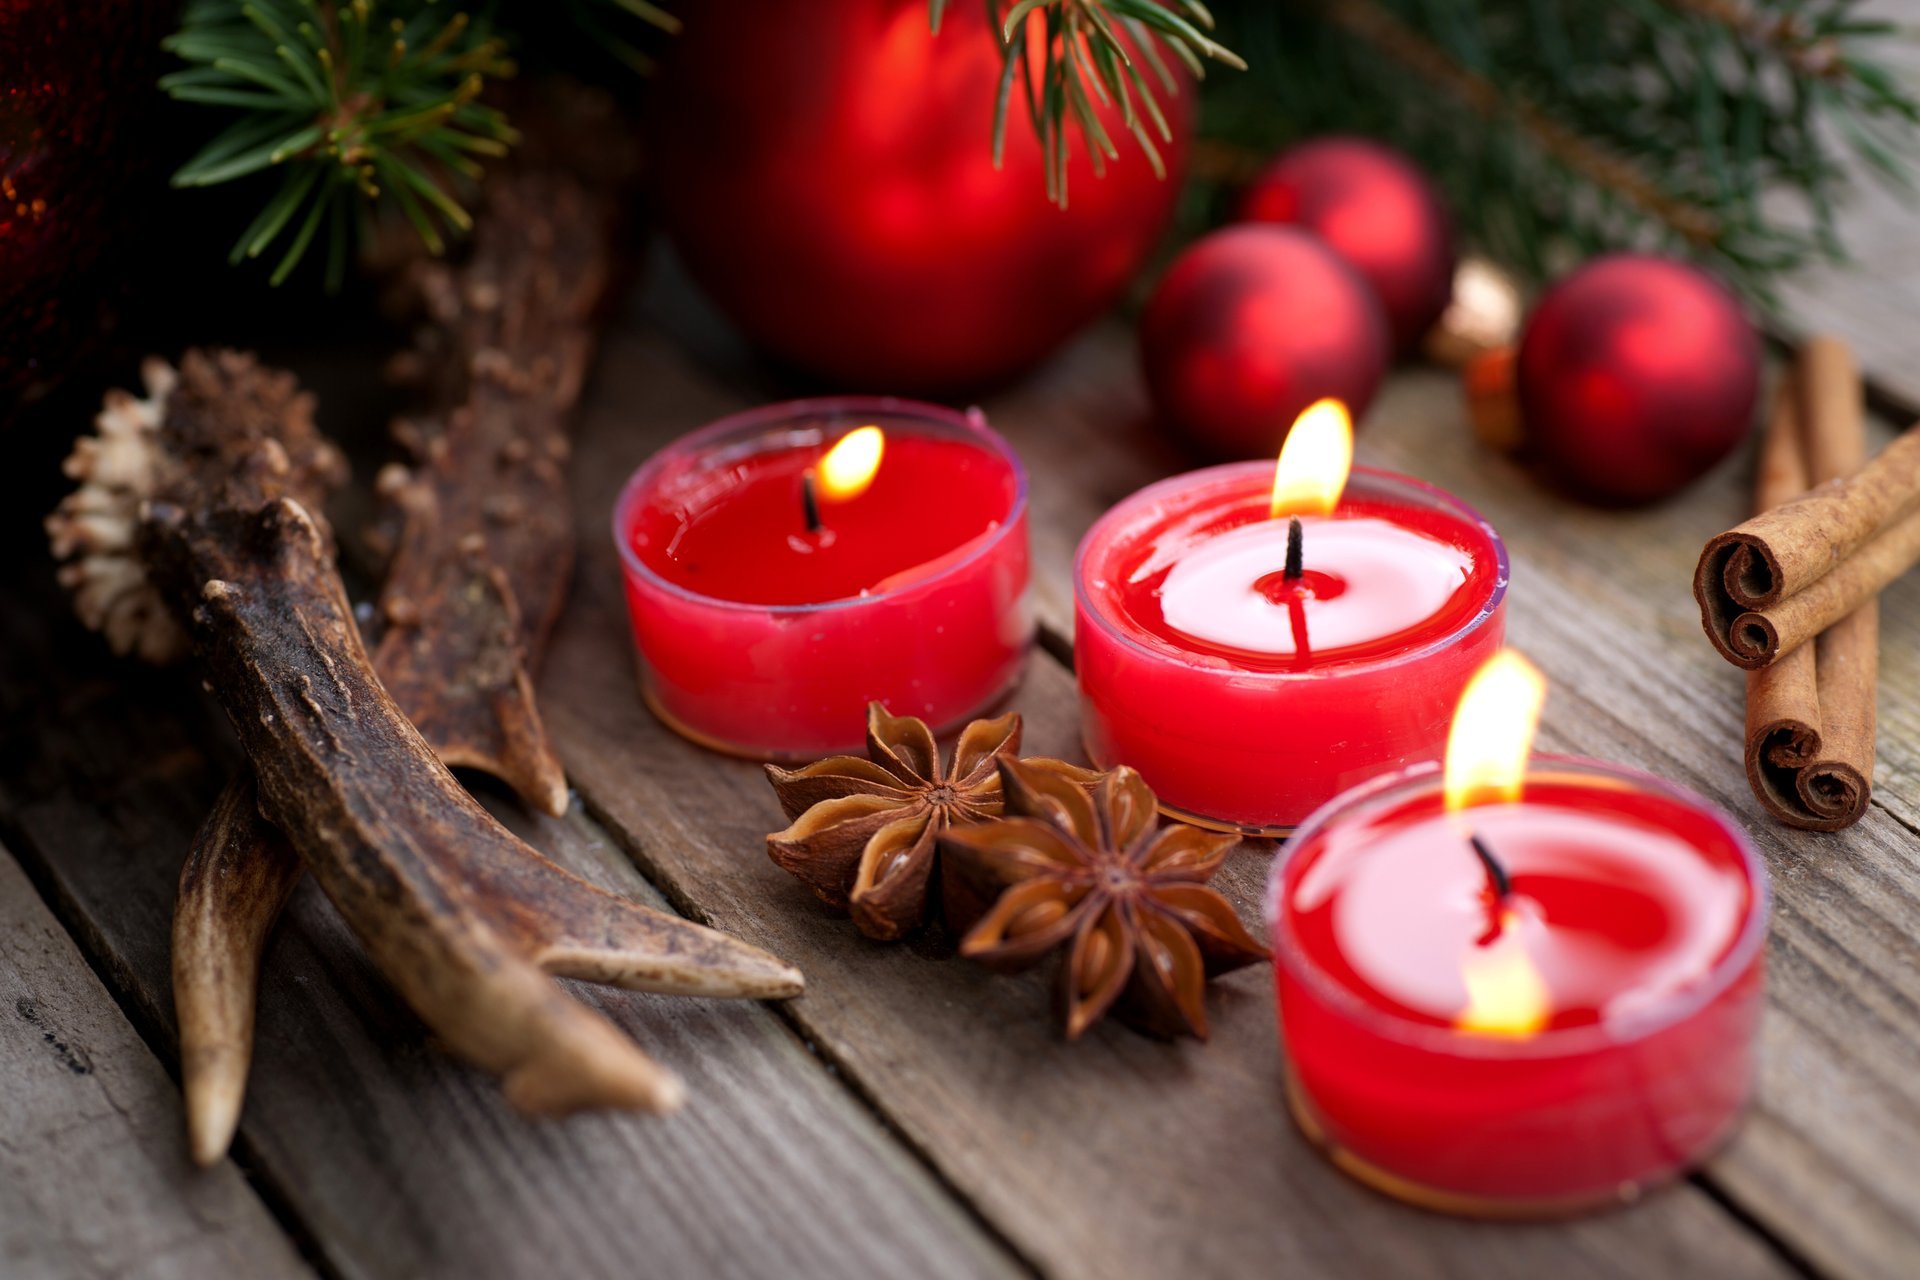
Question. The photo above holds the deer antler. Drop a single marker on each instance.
(478, 535)
(462, 917)
(237, 879)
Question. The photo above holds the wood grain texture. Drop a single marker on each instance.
(1118, 1156)
(94, 1181)
(395, 1160)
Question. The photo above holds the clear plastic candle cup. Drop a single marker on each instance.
(784, 567)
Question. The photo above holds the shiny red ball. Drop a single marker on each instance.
(1636, 375)
(826, 172)
(1378, 211)
(1251, 325)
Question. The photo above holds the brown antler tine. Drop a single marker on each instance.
(236, 881)
(416, 867)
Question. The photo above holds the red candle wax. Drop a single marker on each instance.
(1635, 921)
(741, 533)
(764, 636)
(1247, 698)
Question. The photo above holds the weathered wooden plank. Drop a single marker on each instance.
(395, 1160)
(94, 1181)
(1117, 1156)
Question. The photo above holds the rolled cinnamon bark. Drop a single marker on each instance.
(1783, 700)
(1811, 714)
(1785, 576)
(1758, 637)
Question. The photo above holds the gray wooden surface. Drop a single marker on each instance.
(94, 1180)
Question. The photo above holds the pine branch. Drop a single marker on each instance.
(1072, 58)
(1721, 129)
(1589, 159)
(352, 104)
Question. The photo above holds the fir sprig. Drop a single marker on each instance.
(1073, 57)
(1719, 129)
(353, 103)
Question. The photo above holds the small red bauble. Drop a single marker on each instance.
(1636, 375)
(826, 172)
(1378, 211)
(1251, 325)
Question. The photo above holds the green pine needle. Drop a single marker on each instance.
(1562, 128)
(353, 102)
(1094, 56)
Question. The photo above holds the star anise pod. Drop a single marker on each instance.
(865, 832)
(1095, 870)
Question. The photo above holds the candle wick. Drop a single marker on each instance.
(1296, 551)
(1496, 872)
(810, 503)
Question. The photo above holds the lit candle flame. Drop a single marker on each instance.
(1493, 731)
(1314, 461)
(850, 465)
(1506, 995)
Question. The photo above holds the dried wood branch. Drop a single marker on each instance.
(478, 524)
(462, 917)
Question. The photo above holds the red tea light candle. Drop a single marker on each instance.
(1523, 988)
(1255, 640)
(787, 566)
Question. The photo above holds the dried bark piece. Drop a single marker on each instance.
(479, 522)
(865, 832)
(1094, 872)
(458, 913)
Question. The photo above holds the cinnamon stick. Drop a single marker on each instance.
(1790, 573)
(1811, 714)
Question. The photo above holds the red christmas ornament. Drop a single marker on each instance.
(1378, 211)
(1251, 325)
(826, 172)
(76, 85)
(1636, 374)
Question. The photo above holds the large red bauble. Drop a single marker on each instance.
(1378, 211)
(826, 172)
(76, 101)
(1251, 325)
(1636, 374)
